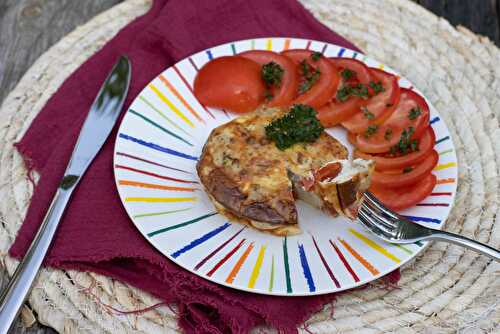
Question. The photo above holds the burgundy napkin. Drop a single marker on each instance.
(96, 233)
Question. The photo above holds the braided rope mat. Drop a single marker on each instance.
(446, 290)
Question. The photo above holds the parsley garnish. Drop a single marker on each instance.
(405, 144)
(310, 75)
(272, 74)
(268, 95)
(371, 130)
(367, 113)
(377, 87)
(346, 91)
(414, 113)
(407, 169)
(388, 134)
(347, 74)
(316, 56)
(300, 125)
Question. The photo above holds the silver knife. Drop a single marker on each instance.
(98, 125)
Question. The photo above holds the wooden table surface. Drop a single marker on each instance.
(30, 27)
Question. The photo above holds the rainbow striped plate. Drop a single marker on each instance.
(157, 147)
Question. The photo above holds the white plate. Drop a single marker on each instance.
(159, 141)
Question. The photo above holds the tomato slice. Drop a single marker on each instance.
(233, 83)
(330, 170)
(380, 106)
(426, 145)
(397, 178)
(325, 87)
(362, 71)
(285, 93)
(405, 197)
(333, 112)
(351, 138)
(399, 121)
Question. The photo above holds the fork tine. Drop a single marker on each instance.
(375, 203)
(374, 228)
(384, 219)
(377, 220)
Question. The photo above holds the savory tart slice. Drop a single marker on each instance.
(254, 179)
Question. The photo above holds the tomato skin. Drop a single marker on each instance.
(333, 112)
(396, 178)
(401, 120)
(405, 197)
(233, 83)
(426, 145)
(397, 123)
(362, 71)
(381, 105)
(283, 95)
(326, 86)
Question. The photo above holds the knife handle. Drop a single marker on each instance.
(13, 297)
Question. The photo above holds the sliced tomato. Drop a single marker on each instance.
(232, 83)
(334, 112)
(324, 89)
(380, 106)
(405, 197)
(351, 138)
(285, 93)
(398, 178)
(398, 122)
(401, 117)
(426, 145)
(362, 71)
(329, 171)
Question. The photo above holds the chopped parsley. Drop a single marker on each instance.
(272, 73)
(347, 91)
(388, 134)
(414, 113)
(316, 56)
(367, 113)
(371, 130)
(299, 125)
(310, 76)
(347, 74)
(268, 95)
(377, 87)
(405, 144)
(407, 169)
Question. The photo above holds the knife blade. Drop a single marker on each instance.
(100, 121)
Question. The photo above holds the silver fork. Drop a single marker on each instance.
(394, 228)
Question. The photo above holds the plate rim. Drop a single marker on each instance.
(361, 283)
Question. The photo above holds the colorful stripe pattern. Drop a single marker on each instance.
(153, 173)
(200, 240)
(306, 269)
(189, 222)
(157, 147)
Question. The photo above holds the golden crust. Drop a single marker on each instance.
(247, 176)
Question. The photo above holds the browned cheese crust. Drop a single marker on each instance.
(247, 177)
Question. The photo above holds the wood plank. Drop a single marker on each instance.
(480, 16)
(30, 27)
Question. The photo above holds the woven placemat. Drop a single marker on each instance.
(445, 290)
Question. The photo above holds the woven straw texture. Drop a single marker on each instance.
(445, 290)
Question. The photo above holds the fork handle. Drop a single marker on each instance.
(466, 242)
